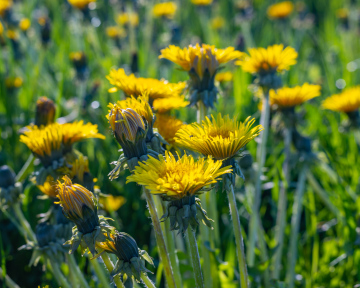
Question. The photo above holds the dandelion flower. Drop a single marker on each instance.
(290, 97)
(115, 32)
(280, 10)
(13, 82)
(112, 203)
(168, 126)
(163, 105)
(128, 18)
(201, 2)
(217, 23)
(5, 5)
(347, 101)
(202, 63)
(49, 187)
(224, 76)
(165, 9)
(45, 111)
(80, 4)
(24, 24)
(132, 85)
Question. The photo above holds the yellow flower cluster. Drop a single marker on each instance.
(177, 178)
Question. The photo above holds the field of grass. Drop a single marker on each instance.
(37, 61)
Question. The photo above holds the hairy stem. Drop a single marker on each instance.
(148, 283)
(195, 259)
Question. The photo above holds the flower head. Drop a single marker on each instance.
(78, 205)
(176, 179)
(202, 63)
(134, 86)
(280, 10)
(163, 105)
(78, 131)
(201, 2)
(49, 187)
(217, 23)
(128, 18)
(80, 172)
(165, 9)
(80, 4)
(24, 24)
(115, 32)
(221, 137)
(266, 60)
(45, 111)
(224, 76)
(5, 5)
(290, 97)
(13, 82)
(347, 101)
(167, 127)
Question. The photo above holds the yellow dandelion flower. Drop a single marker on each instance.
(289, 97)
(78, 205)
(115, 32)
(24, 24)
(78, 131)
(140, 105)
(79, 167)
(80, 4)
(45, 143)
(5, 5)
(270, 59)
(221, 138)
(49, 187)
(200, 58)
(13, 82)
(112, 203)
(347, 101)
(132, 85)
(77, 56)
(224, 76)
(280, 10)
(165, 9)
(45, 111)
(217, 23)
(12, 34)
(128, 18)
(163, 105)
(167, 127)
(202, 2)
(177, 178)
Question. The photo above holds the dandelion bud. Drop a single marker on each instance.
(45, 233)
(9, 190)
(78, 205)
(129, 130)
(45, 111)
(45, 29)
(7, 177)
(131, 258)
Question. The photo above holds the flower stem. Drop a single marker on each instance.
(76, 270)
(100, 273)
(8, 281)
(60, 278)
(282, 204)
(195, 258)
(261, 155)
(148, 283)
(110, 266)
(23, 222)
(164, 256)
(295, 226)
(23, 172)
(244, 282)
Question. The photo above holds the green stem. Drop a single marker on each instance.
(295, 226)
(76, 270)
(24, 170)
(195, 259)
(172, 254)
(244, 282)
(148, 283)
(282, 205)
(110, 266)
(164, 256)
(8, 281)
(24, 223)
(201, 112)
(100, 273)
(60, 278)
(261, 155)
(14, 221)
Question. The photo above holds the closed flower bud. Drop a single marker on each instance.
(9, 189)
(45, 111)
(45, 233)
(78, 205)
(7, 177)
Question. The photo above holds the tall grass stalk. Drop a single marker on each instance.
(160, 240)
(261, 156)
(195, 259)
(240, 251)
(282, 205)
(295, 227)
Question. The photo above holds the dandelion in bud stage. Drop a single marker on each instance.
(131, 260)
(266, 62)
(80, 206)
(280, 10)
(202, 63)
(79, 61)
(80, 4)
(134, 86)
(45, 111)
(165, 9)
(178, 181)
(164, 105)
